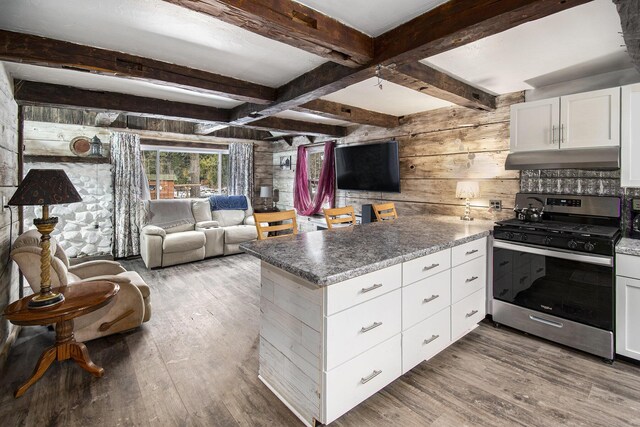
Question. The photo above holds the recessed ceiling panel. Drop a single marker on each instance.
(159, 30)
(579, 42)
(372, 17)
(391, 99)
(115, 84)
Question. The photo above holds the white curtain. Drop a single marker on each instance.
(128, 182)
(241, 169)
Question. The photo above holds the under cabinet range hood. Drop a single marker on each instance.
(605, 158)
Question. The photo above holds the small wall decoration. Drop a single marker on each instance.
(285, 163)
(80, 146)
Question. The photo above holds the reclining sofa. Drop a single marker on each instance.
(177, 231)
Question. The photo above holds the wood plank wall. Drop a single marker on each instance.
(438, 148)
(9, 290)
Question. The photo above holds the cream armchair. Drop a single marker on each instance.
(130, 307)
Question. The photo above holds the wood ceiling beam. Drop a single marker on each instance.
(46, 52)
(32, 93)
(448, 26)
(457, 23)
(427, 80)
(335, 110)
(292, 23)
(298, 127)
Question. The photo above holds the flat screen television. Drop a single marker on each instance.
(368, 167)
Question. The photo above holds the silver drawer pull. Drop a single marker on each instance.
(546, 321)
(371, 288)
(471, 252)
(430, 340)
(368, 378)
(430, 267)
(431, 298)
(471, 313)
(503, 263)
(368, 328)
(471, 279)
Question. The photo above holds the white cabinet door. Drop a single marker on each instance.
(535, 125)
(628, 317)
(590, 119)
(630, 144)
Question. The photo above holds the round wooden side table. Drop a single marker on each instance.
(78, 300)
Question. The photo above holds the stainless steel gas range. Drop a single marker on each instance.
(555, 277)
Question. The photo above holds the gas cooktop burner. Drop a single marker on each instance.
(562, 227)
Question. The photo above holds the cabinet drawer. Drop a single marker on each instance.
(353, 382)
(426, 339)
(628, 266)
(467, 313)
(359, 328)
(423, 267)
(362, 288)
(468, 251)
(468, 278)
(425, 298)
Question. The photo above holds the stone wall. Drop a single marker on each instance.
(84, 228)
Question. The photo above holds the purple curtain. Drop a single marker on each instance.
(326, 185)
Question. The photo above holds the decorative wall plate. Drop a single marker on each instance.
(80, 146)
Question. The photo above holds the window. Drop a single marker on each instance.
(315, 156)
(177, 174)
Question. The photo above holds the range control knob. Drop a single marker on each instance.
(509, 235)
(573, 244)
(524, 237)
(547, 240)
(589, 246)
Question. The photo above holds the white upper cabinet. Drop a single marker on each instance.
(583, 120)
(590, 119)
(535, 125)
(630, 142)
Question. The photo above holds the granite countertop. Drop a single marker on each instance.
(628, 246)
(328, 257)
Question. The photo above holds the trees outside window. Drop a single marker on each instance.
(178, 174)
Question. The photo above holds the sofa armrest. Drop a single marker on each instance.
(96, 268)
(250, 220)
(207, 224)
(153, 230)
(106, 277)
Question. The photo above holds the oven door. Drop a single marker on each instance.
(570, 285)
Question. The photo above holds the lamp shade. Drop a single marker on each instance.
(467, 189)
(266, 191)
(45, 187)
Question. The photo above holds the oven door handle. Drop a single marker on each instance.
(558, 253)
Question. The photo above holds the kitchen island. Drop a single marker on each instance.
(347, 311)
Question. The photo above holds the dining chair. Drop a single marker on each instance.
(385, 211)
(275, 224)
(340, 216)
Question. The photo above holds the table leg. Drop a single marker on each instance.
(46, 359)
(66, 348)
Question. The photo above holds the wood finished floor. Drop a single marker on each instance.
(195, 364)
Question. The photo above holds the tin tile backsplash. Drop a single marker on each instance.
(579, 181)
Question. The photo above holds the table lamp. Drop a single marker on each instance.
(467, 190)
(265, 193)
(45, 187)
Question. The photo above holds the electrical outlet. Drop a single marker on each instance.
(4, 203)
(496, 205)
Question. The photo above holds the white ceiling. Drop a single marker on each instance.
(372, 17)
(314, 118)
(392, 99)
(114, 84)
(159, 30)
(579, 42)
